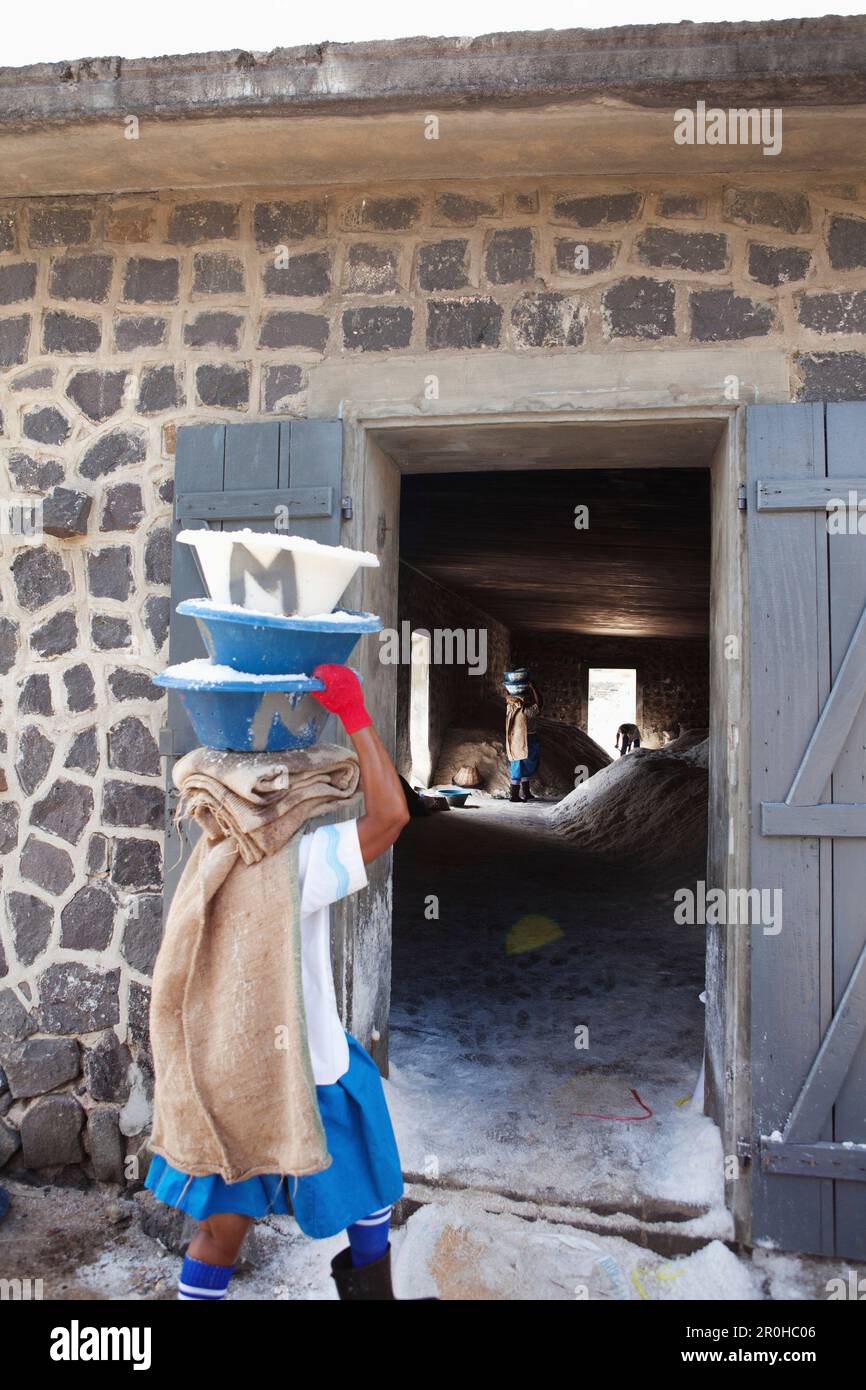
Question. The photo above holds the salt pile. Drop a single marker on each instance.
(563, 749)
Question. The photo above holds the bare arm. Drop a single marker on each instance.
(385, 809)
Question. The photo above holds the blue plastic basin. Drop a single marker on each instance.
(249, 641)
(244, 715)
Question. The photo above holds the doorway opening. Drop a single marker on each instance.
(419, 709)
(612, 701)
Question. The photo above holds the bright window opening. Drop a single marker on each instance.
(419, 710)
(612, 701)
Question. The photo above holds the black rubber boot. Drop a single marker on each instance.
(515, 791)
(371, 1281)
(525, 793)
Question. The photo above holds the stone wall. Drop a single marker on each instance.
(119, 319)
(454, 693)
(672, 676)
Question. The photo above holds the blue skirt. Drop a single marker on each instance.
(364, 1174)
(523, 768)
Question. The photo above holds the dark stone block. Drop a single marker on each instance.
(383, 214)
(106, 1068)
(8, 645)
(35, 752)
(700, 251)
(31, 921)
(17, 282)
(48, 866)
(87, 920)
(34, 475)
(98, 395)
(831, 376)
(370, 269)
(137, 864)
(214, 328)
(157, 556)
(14, 337)
(65, 513)
(133, 804)
(62, 332)
(570, 254)
(461, 210)
(640, 307)
(380, 329)
(8, 232)
(123, 508)
(463, 323)
(510, 255)
(76, 999)
(682, 205)
(307, 275)
(275, 223)
(143, 933)
(35, 697)
(109, 572)
(46, 425)
(132, 747)
(139, 1013)
(109, 633)
(547, 320)
(166, 490)
(98, 854)
(195, 222)
(279, 383)
(598, 210)
(215, 272)
(114, 450)
(8, 829)
(442, 265)
(105, 1143)
(80, 693)
(148, 280)
(160, 389)
(843, 312)
(15, 1021)
(788, 212)
(81, 277)
(55, 637)
(720, 316)
(84, 752)
(64, 811)
(38, 1065)
(156, 614)
(125, 684)
(10, 1142)
(51, 1132)
(846, 243)
(133, 331)
(39, 379)
(40, 577)
(293, 328)
(225, 384)
(60, 226)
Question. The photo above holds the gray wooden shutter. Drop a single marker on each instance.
(807, 618)
(228, 476)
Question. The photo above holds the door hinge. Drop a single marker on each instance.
(744, 1150)
(346, 508)
(742, 497)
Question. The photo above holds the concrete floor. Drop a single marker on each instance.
(531, 943)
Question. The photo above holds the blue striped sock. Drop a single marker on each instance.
(206, 1283)
(368, 1239)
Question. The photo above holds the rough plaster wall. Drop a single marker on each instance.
(454, 693)
(672, 676)
(120, 319)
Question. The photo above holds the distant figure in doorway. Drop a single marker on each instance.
(522, 704)
(630, 735)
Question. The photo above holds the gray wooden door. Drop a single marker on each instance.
(807, 618)
(229, 476)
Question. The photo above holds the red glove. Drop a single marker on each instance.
(343, 696)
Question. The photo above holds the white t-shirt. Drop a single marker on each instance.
(330, 867)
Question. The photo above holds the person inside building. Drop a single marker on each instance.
(627, 737)
(357, 1190)
(523, 704)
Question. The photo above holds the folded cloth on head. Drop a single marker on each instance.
(234, 1091)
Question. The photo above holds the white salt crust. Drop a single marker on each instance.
(213, 539)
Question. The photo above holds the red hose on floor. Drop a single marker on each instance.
(591, 1115)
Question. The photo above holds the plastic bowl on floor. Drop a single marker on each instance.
(269, 572)
(243, 712)
(455, 796)
(268, 643)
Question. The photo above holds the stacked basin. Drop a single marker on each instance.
(268, 622)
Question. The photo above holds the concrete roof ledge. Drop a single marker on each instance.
(798, 62)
